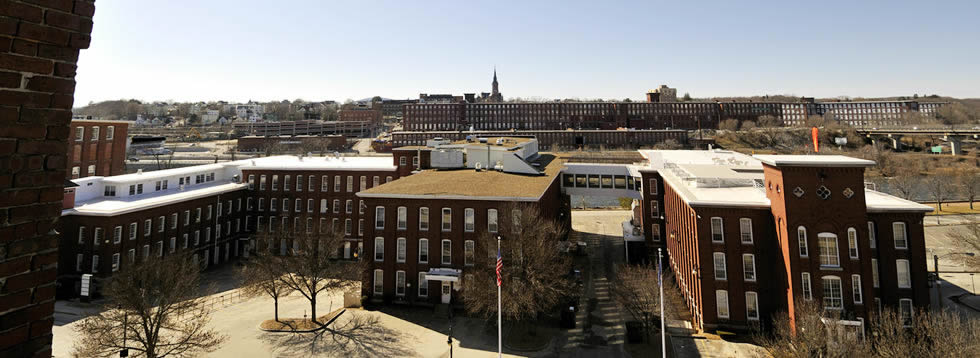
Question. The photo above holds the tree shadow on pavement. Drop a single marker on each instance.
(357, 335)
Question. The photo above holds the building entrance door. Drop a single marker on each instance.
(446, 291)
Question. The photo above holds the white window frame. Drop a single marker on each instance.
(379, 282)
(443, 222)
(401, 250)
(379, 255)
(899, 229)
(720, 264)
(829, 300)
(423, 285)
(442, 252)
(492, 223)
(379, 217)
(802, 240)
(856, 292)
(469, 253)
(424, 246)
(901, 311)
(423, 219)
(400, 283)
(748, 271)
(719, 236)
(402, 222)
(721, 300)
(751, 301)
(828, 257)
(852, 243)
(904, 281)
(806, 285)
(744, 223)
(469, 220)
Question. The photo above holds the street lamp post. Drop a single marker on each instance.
(935, 268)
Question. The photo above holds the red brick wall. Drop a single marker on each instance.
(109, 156)
(40, 41)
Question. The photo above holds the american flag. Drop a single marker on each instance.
(500, 266)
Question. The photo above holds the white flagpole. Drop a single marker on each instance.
(500, 340)
(660, 275)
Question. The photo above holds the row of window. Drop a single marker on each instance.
(116, 264)
(605, 181)
(469, 251)
(827, 242)
(469, 219)
(135, 189)
(283, 224)
(423, 284)
(110, 131)
(161, 223)
(311, 182)
(297, 205)
(718, 229)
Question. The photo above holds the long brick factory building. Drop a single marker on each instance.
(744, 234)
(620, 124)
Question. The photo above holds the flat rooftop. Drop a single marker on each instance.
(293, 162)
(815, 160)
(469, 184)
(108, 206)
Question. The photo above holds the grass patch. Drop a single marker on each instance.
(958, 208)
(298, 324)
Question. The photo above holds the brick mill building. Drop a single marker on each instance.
(96, 147)
(745, 235)
(214, 212)
(424, 228)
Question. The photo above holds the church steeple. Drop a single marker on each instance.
(494, 91)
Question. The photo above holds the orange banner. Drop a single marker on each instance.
(815, 133)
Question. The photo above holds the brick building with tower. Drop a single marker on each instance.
(746, 235)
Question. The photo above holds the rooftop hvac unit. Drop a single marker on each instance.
(500, 141)
(483, 140)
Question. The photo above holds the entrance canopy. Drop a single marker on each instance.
(443, 274)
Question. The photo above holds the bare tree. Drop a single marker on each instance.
(262, 276)
(924, 334)
(312, 263)
(729, 124)
(770, 127)
(534, 271)
(637, 291)
(969, 181)
(817, 333)
(968, 237)
(905, 183)
(940, 186)
(155, 310)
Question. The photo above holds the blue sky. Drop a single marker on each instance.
(264, 50)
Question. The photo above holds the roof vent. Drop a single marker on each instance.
(478, 166)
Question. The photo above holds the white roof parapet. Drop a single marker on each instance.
(878, 202)
(813, 160)
(292, 162)
(110, 206)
